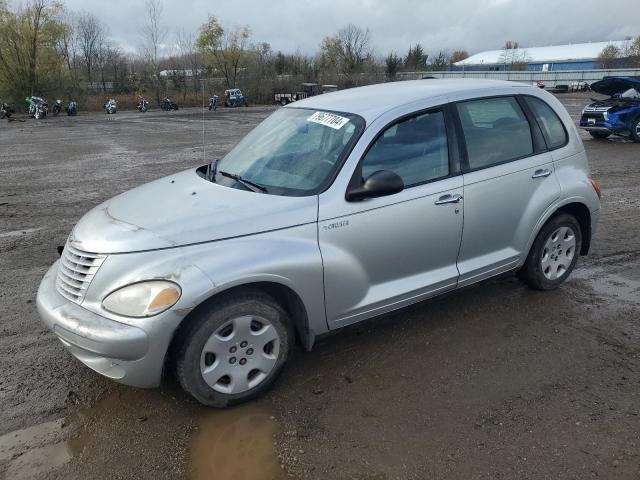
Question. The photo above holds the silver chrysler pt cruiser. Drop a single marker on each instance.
(335, 209)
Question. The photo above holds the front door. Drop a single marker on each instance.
(385, 253)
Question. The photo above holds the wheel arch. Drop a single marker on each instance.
(583, 215)
(577, 209)
(281, 293)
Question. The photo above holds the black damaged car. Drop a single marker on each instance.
(617, 115)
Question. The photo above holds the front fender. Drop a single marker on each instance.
(289, 257)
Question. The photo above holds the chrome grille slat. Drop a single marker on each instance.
(66, 271)
(75, 272)
(76, 267)
(66, 291)
(79, 284)
(596, 109)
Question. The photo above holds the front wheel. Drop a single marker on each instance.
(554, 253)
(635, 130)
(599, 135)
(234, 348)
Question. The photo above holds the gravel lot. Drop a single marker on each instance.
(494, 382)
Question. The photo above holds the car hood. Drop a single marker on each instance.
(612, 85)
(184, 209)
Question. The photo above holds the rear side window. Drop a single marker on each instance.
(496, 130)
(414, 148)
(554, 133)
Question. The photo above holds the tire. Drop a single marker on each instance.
(635, 130)
(551, 260)
(223, 342)
(600, 135)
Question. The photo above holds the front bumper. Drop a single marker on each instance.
(597, 123)
(116, 350)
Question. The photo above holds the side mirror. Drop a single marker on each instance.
(379, 184)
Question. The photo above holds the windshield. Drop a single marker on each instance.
(292, 152)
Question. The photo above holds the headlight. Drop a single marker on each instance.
(143, 299)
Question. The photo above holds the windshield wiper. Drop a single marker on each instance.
(253, 186)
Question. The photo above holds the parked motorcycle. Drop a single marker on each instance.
(72, 108)
(38, 107)
(57, 108)
(6, 111)
(213, 102)
(168, 104)
(111, 106)
(143, 105)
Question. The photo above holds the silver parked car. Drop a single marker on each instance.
(335, 209)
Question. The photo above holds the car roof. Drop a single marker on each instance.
(371, 101)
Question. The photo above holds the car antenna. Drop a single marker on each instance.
(204, 153)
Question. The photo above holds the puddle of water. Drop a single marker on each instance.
(35, 451)
(622, 286)
(17, 233)
(236, 444)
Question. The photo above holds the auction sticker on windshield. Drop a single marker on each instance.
(328, 120)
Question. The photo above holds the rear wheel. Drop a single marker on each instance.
(635, 130)
(554, 253)
(233, 349)
(599, 134)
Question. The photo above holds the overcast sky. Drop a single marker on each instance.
(291, 25)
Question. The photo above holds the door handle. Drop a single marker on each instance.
(448, 198)
(543, 172)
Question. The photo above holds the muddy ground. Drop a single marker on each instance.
(494, 382)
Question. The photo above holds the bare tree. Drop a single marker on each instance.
(513, 56)
(154, 34)
(189, 57)
(347, 52)
(90, 34)
(104, 55)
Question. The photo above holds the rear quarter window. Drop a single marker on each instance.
(552, 128)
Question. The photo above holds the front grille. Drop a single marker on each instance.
(75, 272)
(597, 116)
(590, 109)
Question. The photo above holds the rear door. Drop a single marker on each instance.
(509, 183)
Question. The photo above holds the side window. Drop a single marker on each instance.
(415, 148)
(495, 130)
(552, 128)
